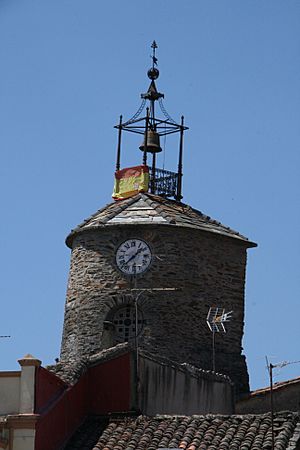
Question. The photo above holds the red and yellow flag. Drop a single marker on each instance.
(131, 181)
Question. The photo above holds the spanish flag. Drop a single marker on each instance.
(130, 181)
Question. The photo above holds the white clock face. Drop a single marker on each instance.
(133, 256)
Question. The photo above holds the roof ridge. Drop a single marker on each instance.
(121, 206)
(185, 207)
(151, 202)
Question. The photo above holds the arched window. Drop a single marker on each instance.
(125, 323)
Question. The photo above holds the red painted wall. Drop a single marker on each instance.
(103, 389)
(59, 422)
(48, 387)
(109, 386)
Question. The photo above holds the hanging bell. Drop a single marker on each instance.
(153, 145)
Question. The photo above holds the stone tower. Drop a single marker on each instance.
(147, 268)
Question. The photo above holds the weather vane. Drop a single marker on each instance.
(153, 57)
(216, 318)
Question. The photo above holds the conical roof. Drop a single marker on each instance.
(147, 209)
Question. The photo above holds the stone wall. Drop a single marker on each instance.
(206, 268)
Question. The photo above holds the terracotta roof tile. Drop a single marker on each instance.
(276, 386)
(151, 209)
(251, 432)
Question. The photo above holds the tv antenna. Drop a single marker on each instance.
(270, 368)
(216, 319)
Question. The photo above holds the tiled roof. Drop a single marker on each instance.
(152, 209)
(276, 386)
(87, 435)
(248, 432)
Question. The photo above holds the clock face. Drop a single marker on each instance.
(133, 256)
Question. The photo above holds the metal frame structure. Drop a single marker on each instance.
(160, 180)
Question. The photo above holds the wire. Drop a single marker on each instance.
(164, 150)
(165, 113)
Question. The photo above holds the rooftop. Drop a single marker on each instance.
(210, 432)
(146, 208)
(277, 386)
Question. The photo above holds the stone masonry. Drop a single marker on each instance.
(206, 267)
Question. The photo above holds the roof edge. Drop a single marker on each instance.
(71, 236)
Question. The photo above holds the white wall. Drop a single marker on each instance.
(9, 393)
(27, 390)
(23, 439)
(17, 398)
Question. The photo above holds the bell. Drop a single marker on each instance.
(153, 145)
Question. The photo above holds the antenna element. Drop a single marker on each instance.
(216, 318)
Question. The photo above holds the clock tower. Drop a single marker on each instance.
(147, 268)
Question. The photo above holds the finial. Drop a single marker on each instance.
(153, 73)
(154, 59)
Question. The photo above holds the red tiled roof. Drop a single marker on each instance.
(211, 432)
(276, 386)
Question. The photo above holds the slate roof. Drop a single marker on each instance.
(211, 432)
(145, 208)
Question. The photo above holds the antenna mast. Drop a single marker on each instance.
(215, 320)
(270, 368)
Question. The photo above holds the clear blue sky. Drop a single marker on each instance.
(70, 67)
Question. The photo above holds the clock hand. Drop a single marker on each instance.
(133, 256)
(128, 260)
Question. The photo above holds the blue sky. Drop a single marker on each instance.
(69, 68)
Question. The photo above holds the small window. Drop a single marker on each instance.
(124, 318)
